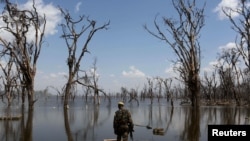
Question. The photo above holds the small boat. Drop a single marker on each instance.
(109, 139)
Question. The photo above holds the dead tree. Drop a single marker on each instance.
(73, 39)
(158, 86)
(241, 26)
(143, 93)
(168, 90)
(95, 79)
(150, 92)
(245, 83)
(24, 48)
(229, 74)
(209, 86)
(124, 94)
(133, 95)
(182, 36)
(91, 81)
(9, 78)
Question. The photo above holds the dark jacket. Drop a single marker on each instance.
(122, 121)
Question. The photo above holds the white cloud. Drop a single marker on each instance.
(213, 64)
(43, 80)
(170, 71)
(62, 73)
(228, 46)
(3, 63)
(5, 35)
(77, 8)
(133, 72)
(92, 72)
(54, 75)
(226, 5)
(211, 67)
(52, 14)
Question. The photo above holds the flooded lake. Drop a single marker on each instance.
(88, 122)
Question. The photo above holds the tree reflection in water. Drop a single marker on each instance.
(18, 129)
(91, 120)
(27, 126)
(191, 127)
(86, 121)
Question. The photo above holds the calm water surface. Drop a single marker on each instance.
(84, 121)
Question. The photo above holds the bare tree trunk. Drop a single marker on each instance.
(23, 94)
(67, 125)
(30, 91)
(25, 53)
(27, 125)
(67, 91)
(184, 34)
(72, 39)
(241, 26)
(194, 89)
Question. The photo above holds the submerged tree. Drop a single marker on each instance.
(230, 75)
(91, 82)
(241, 25)
(9, 77)
(182, 36)
(77, 45)
(26, 31)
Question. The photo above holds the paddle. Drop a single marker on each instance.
(131, 130)
(148, 127)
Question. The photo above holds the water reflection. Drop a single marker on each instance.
(67, 125)
(86, 121)
(82, 123)
(191, 131)
(27, 126)
(17, 129)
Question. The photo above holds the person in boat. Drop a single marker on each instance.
(122, 123)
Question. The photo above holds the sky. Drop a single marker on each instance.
(126, 53)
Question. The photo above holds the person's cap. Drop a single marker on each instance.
(120, 103)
